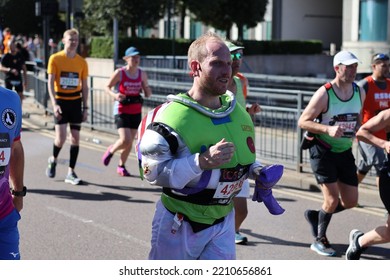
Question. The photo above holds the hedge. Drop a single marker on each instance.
(102, 47)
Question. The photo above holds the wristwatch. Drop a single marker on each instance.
(21, 193)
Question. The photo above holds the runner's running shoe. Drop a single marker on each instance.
(51, 168)
(107, 156)
(322, 247)
(354, 249)
(240, 239)
(72, 179)
(121, 170)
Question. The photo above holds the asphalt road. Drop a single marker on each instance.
(109, 217)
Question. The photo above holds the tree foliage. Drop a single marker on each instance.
(129, 13)
(20, 16)
(222, 14)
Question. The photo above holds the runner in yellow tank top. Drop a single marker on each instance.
(68, 91)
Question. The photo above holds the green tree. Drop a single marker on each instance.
(222, 14)
(247, 13)
(99, 16)
(129, 13)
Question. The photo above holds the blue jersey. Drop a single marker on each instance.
(10, 127)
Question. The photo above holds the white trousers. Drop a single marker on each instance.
(213, 243)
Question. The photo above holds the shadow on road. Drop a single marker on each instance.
(101, 196)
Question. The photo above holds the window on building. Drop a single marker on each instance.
(195, 29)
(373, 20)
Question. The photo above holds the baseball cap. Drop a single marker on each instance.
(232, 47)
(379, 57)
(345, 58)
(132, 51)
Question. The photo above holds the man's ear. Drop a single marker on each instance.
(195, 67)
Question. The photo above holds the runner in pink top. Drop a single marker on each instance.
(125, 86)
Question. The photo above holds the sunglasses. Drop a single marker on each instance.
(236, 56)
(381, 56)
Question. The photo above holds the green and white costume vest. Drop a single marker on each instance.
(200, 128)
(344, 113)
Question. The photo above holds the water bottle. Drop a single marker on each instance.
(96, 141)
(307, 139)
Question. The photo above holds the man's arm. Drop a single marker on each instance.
(50, 86)
(16, 174)
(362, 99)
(84, 92)
(367, 130)
(317, 105)
(5, 65)
(162, 167)
(253, 108)
(24, 70)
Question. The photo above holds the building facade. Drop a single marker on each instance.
(365, 29)
(360, 26)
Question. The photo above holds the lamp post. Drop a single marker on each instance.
(46, 9)
(69, 14)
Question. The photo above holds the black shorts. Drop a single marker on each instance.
(384, 191)
(384, 185)
(128, 120)
(71, 113)
(14, 84)
(329, 167)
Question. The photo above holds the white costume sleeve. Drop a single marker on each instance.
(165, 169)
(178, 170)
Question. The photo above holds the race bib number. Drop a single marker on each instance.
(230, 183)
(69, 80)
(5, 151)
(228, 189)
(347, 122)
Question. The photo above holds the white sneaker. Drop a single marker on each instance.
(72, 179)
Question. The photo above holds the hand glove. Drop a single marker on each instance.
(265, 180)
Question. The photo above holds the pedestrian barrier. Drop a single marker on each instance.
(281, 98)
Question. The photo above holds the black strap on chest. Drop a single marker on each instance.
(169, 137)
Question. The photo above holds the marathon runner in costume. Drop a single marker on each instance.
(196, 200)
(200, 148)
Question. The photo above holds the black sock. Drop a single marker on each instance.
(74, 152)
(323, 222)
(56, 151)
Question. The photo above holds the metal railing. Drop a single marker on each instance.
(277, 134)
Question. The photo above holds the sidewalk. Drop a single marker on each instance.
(35, 114)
